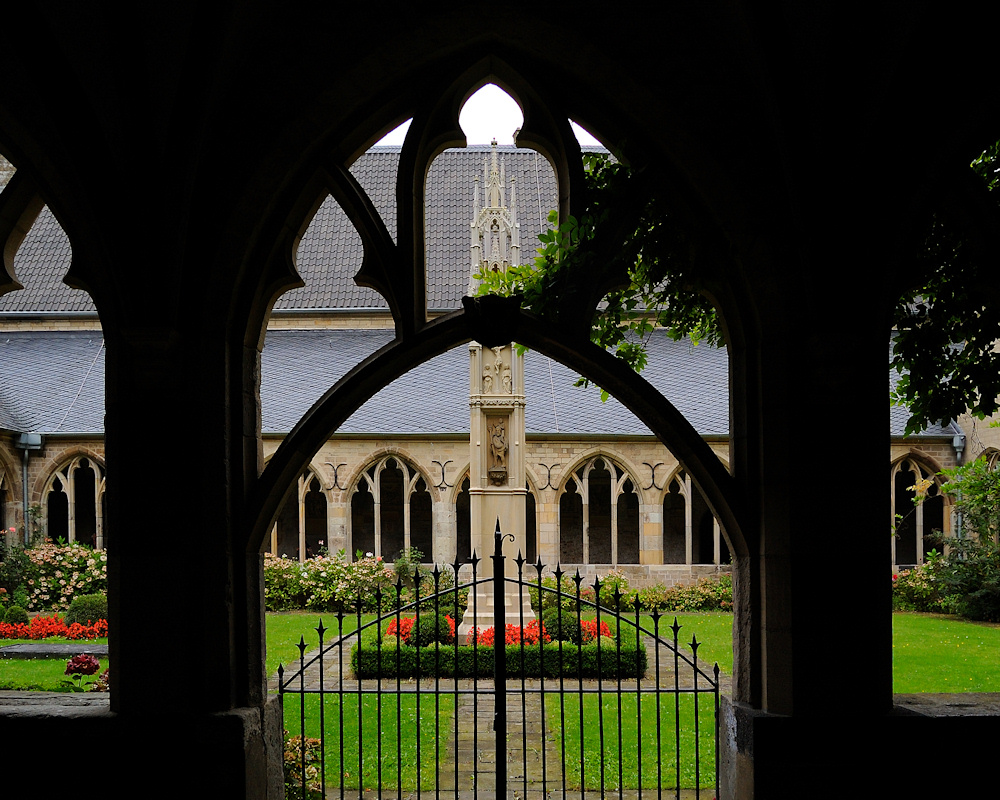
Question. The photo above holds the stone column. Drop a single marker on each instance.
(497, 486)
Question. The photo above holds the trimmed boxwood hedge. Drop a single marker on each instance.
(592, 660)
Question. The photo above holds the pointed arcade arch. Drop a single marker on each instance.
(391, 510)
(73, 502)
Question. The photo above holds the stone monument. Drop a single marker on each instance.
(497, 479)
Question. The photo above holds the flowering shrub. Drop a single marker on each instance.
(45, 627)
(326, 583)
(921, 588)
(708, 594)
(56, 573)
(568, 597)
(616, 581)
(403, 630)
(77, 667)
(103, 683)
(514, 635)
(293, 758)
(83, 664)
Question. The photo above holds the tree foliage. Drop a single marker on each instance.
(945, 327)
(972, 573)
(626, 232)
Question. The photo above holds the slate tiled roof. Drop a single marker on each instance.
(52, 382)
(330, 252)
(40, 264)
(898, 415)
(298, 366)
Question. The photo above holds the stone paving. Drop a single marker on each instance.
(528, 746)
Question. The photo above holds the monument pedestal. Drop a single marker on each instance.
(481, 612)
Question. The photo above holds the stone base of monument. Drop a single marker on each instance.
(481, 612)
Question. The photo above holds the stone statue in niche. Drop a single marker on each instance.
(487, 381)
(496, 428)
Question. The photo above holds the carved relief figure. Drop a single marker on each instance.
(496, 428)
(498, 445)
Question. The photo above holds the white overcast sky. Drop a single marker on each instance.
(489, 113)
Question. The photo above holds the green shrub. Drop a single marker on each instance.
(972, 579)
(708, 594)
(564, 593)
(87, 609)
(604, 658)
(294, 764)
(440, 596)
(16, 616)
(922, 588)
(430, 628)
(615, 594)
(328, 583)
(562, 625)
(14, 568)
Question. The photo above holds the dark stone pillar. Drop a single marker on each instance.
(814, 633)
(186, 602)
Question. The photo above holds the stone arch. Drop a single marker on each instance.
(302, 528)
(72, 500)
(391, 267)
(391, 508)
(396, 269)
(916, 528)
(690, 533)
(531, 522)
(595, 505)
(991, 456)
(11, 487)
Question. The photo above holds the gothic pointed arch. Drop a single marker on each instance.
(918, 527)
(301, 530)
(690, 532)
(391, 509)
(73, 508)
(599, 513)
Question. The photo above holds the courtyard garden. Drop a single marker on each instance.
(402, 737)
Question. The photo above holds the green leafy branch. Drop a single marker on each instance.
(625, 232)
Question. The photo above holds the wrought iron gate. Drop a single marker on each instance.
(622, 709)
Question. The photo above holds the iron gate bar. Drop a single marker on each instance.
(500, 657)
(582, 689)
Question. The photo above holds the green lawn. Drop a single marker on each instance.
(286, 628)
(37, 674)
(388, 730)
(621, 762)
(936, 653)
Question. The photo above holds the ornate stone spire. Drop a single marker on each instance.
(496, 233)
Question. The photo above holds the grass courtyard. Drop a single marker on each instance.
(931, 652)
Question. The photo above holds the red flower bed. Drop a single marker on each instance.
(588, 628)
(405, 628)
(513, 635)
(46, 627)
